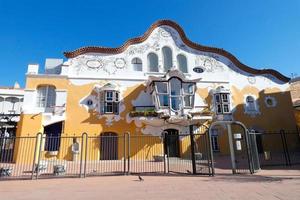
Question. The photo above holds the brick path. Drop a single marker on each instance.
(267, 184)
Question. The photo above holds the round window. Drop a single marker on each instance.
(198, 70)
(89, 102)
(269, 102)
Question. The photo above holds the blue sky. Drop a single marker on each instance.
(261, 34)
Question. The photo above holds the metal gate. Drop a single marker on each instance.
(194, 157)
(243, 156)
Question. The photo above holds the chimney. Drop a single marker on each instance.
(33, 69)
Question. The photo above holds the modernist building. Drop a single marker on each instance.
(159, 82)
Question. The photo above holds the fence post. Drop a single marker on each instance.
(81, 156)
(164, 153)
(208, 152)
(192, 149)
(128, 154)
(35, 154)
(124, 152)
(86, 153)
(283, 146)
(287, 155)
(39, 157)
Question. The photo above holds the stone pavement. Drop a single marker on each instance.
(267, 184)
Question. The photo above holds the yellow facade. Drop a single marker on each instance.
(78, 119)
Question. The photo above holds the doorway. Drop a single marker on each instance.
(109, 146)
(171, 143)
(53, 134)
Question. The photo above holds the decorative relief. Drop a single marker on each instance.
(95, 64)
(165, 33)
(251, 79)
(140, 49)
(208, 63)
(120, 63)
(110, 64)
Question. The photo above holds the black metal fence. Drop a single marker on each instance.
(278, 148)
(46, 156)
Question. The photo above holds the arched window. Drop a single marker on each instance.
(182, 63)
(152, 62)
(46, 96)
(167, 58)
(137, 64)
(250, 103)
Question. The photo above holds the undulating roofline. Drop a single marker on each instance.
(109, 50)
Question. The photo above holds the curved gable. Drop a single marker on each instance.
(186, 41)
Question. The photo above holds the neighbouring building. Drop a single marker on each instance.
(11, 100)
(159, 82)
(295, 93)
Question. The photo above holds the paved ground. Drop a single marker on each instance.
(267, 184)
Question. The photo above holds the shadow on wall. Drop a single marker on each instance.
(128, 96)
(273, 112)
(142, 146)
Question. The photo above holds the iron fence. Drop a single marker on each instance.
(278, 148)
(51, 156)
(20, 167)
(46, 156)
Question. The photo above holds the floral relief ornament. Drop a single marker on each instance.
(110, 65)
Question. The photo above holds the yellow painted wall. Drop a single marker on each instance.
(297, 116)
(79, 120)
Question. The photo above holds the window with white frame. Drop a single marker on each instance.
(137, 64)
(174, 94)
(222, 103)
(46, 96)
(109, 102)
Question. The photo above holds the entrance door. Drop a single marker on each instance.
(53, 133)
(259, 144)
(171, 143)
(109, 146)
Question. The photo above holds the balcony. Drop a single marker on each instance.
(199, 112)
(143, 111)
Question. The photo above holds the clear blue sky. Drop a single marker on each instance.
(261, 34)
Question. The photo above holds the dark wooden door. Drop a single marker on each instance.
(171, 143)
(109, 146)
